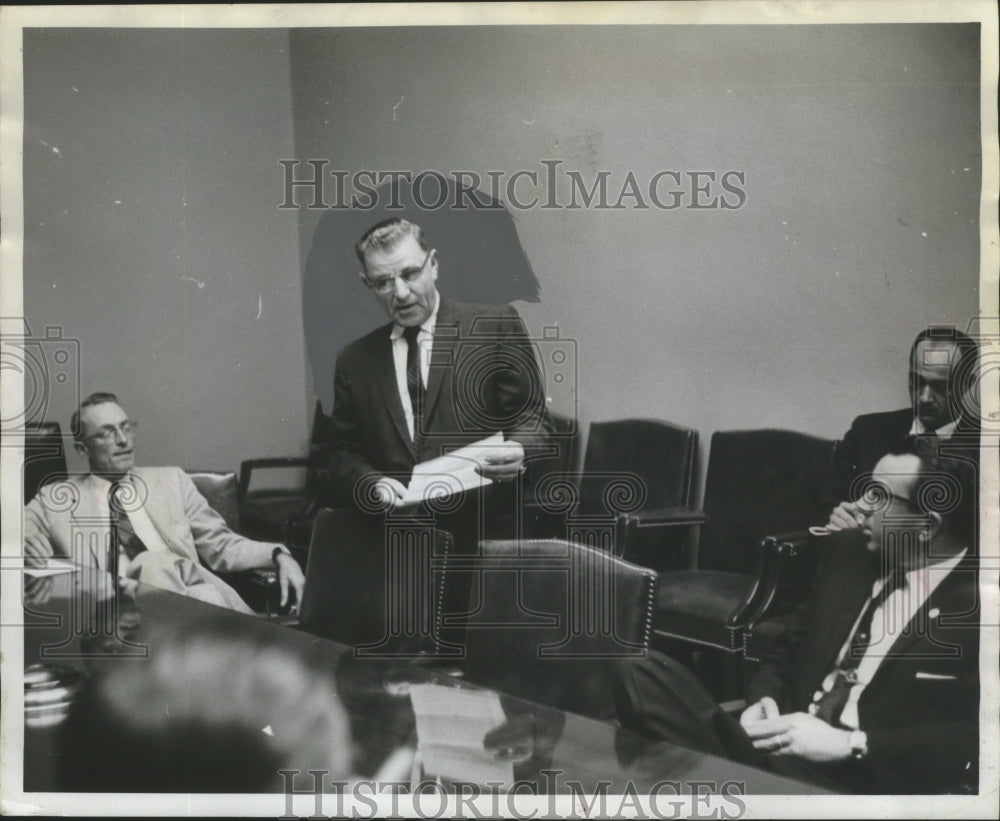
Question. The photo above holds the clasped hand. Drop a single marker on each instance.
(798, 734)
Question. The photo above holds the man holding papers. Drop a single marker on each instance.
(442, 375)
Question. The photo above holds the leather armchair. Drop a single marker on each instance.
(286, 514)
(634, 491)
(44, 456)
(759, 482)
(549, 620)
(375, 582)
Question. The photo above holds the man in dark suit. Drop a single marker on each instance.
(874, 686)
(943, 378)
(440, 375)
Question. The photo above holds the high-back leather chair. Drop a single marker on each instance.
(44, 456)
(549, 621)
(637, 476)
(221, 491)
(375, 583)
(563, 461)
(759, 482)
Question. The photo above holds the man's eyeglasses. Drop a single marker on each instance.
(108, 432)
(386, 285)
(875, 499)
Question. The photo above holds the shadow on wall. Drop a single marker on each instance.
(480, 256)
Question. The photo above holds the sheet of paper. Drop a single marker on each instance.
(451, 726)
(452, 473)
(53, 567)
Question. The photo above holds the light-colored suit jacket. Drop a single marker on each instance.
(68, 519)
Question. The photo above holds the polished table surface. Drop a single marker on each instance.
(565, 752)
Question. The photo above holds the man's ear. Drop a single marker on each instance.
(936, 523)
(80, 448)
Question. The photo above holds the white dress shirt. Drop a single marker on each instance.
(889, 621)
(944, 432)
(425, 340)
(141, 523)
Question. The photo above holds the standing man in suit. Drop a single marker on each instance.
(943, 369)
(440, 375)
(163, 527)
(874, 686)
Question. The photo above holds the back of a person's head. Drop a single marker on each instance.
(212, 712)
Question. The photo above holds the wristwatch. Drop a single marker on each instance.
(859, 745)
(277, 552)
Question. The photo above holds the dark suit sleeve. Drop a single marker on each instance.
(520, 389)
(772, 676)
(349, 467)
(846, 461)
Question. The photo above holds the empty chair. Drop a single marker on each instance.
(44, 456)
(281, 513)
(759, 482)
(565, 453)
(636, 482)
(549, 620)
(375, 583)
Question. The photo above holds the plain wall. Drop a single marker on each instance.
(861, 150)
(152, 234)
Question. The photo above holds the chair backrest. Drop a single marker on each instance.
(320, 450)
(565, 444)
(662, 455)
(374, 583)
(759, 482)
(221, 491)
(550, 620)
(44, 456)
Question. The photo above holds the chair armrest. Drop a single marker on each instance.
(662, 517)
(785, 563)
(654, 536)
(248, 466)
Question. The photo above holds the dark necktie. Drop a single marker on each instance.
(829, 706)
(414, 382)
(123, 535)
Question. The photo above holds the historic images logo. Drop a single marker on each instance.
(309, 184)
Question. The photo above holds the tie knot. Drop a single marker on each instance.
(411, 333)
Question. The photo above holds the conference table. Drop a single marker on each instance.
(563, 752)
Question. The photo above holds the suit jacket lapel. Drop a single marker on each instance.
(857, 586)
(447, 332)
(385, 376)
(950, 599)
(159, 509)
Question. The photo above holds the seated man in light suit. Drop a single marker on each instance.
(163, 527)
(943, 372)
(874, 685)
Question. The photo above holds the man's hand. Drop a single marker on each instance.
(37, 591)
(289, 575)
(389, 492)
(800, 734)
(503, 463)
(514, 740)
(763, 709)
(845, 516)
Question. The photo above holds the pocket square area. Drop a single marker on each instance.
(934, 676)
